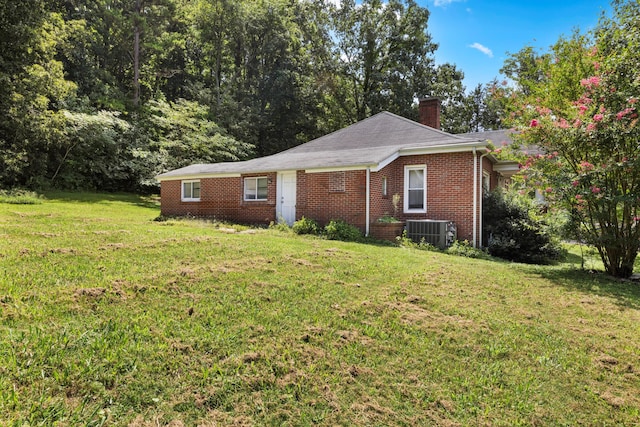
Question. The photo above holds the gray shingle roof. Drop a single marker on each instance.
(500, 138)
(367, 143)
(497, 137)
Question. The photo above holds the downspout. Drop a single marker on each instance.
(475, 197)
(482, 199)
(368, 202)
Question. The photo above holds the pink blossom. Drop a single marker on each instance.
(623, 113)
(586, 166)
(591, 127)
(577, 123)
(562, 124)
(582, 108)
(633, 100)
(593, 81)
(575, 183)
(595, 190)
(534, 123)
(598, 118)
(636, 219)
(578, 196)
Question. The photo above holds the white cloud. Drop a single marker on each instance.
(443, 3)
(482, 49)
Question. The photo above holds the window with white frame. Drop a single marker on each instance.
(486, 181)
(255, 188)
(191, 191)
(415, 188)
(384, 187)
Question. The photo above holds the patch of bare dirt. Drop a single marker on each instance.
(251, 357)
(414, 314)
(216, 418)
(612, 400)
(47, 235)
(302, 262)
(113, 246)
(353, 336)
(90, 292)
(63, 251)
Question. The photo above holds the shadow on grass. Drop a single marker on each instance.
(626, 293)
(151, 202)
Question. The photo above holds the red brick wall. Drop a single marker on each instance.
(222, 199)
(318, 199)
(449, 195)
(449, 190)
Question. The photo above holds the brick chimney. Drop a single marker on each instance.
(429, 111)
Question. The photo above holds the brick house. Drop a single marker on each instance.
(351, 174)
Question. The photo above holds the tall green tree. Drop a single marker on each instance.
(117, 49)
(579, 102)
(182, 133)
(32, 90)
(386, 59)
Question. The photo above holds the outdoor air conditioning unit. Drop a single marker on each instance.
(437, 233)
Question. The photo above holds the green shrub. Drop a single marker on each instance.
(306, 226)
(514, 234)
(423, 245)
(340, 230)
(280, 226)
(465, 249)
(20, 197)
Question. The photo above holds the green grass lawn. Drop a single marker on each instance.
(110, 318)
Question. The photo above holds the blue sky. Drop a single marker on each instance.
(477, 34)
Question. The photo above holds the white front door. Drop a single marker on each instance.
(286, 194)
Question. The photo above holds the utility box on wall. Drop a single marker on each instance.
(437, 233)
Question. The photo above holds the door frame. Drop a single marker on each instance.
(280, 195)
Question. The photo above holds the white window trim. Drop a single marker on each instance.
(385, 187)
(407, 169)
(244, 190)
(486, 180)
(189, 199)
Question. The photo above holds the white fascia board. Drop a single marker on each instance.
(385, 162)
(439, 149)
(197, 176)
(506, 166)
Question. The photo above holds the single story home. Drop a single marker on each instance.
(385, 165)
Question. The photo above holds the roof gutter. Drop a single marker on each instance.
(475, 197)
(477, 205)
(481, 202)
(368, 203)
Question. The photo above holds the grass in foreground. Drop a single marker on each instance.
(110, 318)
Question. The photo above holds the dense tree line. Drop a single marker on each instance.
(107, 93)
